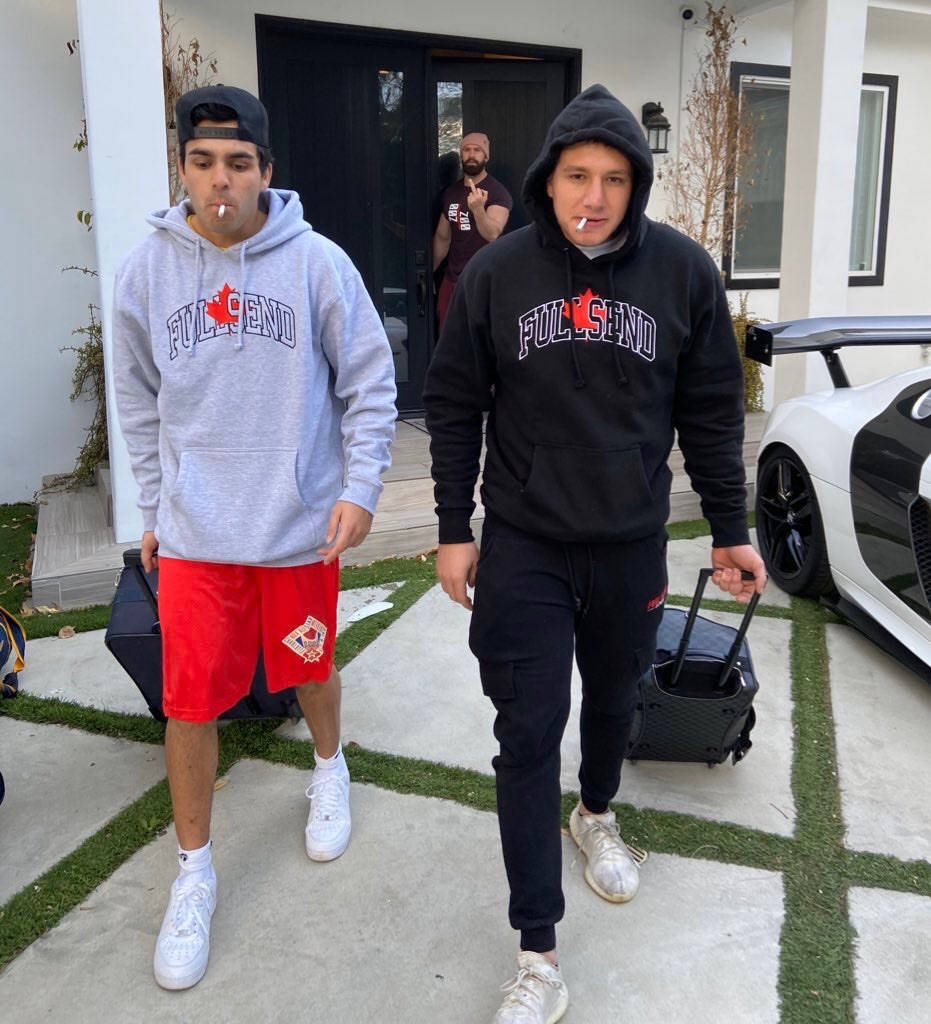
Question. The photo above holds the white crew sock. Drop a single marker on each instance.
(196, 865)
(328, 764)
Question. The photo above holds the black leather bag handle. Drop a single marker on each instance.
(132, 559)
(703, 576)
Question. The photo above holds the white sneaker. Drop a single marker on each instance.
(329, 824)
(184, 939)
(612, 869)
(537, 995)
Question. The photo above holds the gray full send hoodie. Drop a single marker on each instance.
(255, 387)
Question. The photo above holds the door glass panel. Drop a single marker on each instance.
(448, 117)
(392, 236)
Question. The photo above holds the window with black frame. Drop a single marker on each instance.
(753, 252)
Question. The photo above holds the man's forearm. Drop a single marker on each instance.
(440, 250)
(486, 226)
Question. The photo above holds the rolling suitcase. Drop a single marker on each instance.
(696, 700)
(134, 639)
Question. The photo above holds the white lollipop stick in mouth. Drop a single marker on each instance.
(581, 224)
(222, 210)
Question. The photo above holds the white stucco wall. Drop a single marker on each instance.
(899, 43)
(45, 183)
(631, 47)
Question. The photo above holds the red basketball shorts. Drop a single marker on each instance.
(216, 618)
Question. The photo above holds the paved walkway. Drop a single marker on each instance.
(409, 926)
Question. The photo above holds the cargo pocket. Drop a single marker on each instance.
(497, 679)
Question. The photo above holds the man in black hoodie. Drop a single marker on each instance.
(588, 337)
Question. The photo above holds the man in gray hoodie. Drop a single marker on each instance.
(255, 390)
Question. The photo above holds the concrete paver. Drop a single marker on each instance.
(415, 691)
(62, 785)
(408, 925)
(893, 956)
(82, 670)
(882, 715)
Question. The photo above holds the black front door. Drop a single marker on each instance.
(358, 127)
(345, 122)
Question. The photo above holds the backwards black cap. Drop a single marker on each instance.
(251, 115)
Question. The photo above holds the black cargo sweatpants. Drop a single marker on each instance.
(536, 602)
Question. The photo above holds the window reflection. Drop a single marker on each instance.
(448, 117)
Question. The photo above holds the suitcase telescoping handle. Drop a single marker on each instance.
(132, 559)
(703, 576)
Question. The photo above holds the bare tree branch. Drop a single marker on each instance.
(701, 182)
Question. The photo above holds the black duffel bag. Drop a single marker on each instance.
(134, 638)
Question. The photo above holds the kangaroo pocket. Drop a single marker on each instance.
(589, 494)
(238, 506)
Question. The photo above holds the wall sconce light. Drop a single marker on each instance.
(658, 128)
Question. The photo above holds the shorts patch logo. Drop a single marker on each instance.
(307, 640)
(655, 602)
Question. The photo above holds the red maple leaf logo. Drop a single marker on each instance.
(224, 309)
(581, 313)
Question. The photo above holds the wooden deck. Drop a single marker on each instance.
(76, 562)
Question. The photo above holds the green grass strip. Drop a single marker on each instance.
(17, 527)
(51, 711)
(878, 871)
(388, 570)
(816, 974)
(83, 620)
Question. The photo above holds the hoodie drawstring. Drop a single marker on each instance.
(198, 267)
(243, 280)
(618, 365)
(242, 296)
(578, 379)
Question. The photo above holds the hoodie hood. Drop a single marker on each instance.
(285, 220)
(595, 115)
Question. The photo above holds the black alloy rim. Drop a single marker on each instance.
(785, 518)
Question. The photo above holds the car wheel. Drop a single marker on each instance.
(788, 525)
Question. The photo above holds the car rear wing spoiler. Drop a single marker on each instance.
(828, 334)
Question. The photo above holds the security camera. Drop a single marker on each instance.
(686, 13)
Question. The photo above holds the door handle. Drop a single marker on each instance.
(421, 293)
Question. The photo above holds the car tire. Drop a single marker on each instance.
(788, 525)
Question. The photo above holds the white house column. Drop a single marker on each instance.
(828, 38)
(121, 65)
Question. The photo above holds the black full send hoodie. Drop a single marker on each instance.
(586, 367)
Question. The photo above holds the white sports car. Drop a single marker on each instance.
(843, 492)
